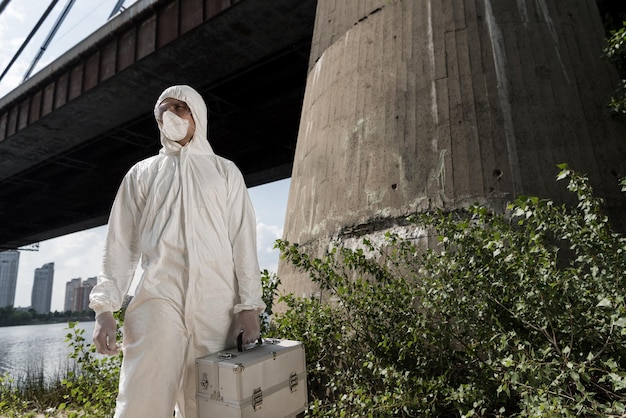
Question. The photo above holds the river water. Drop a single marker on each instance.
(31, 349)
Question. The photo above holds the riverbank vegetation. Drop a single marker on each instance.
(85, 388)
(515, 314)
(520, 314)
(10, 316)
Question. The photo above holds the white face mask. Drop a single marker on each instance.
(174, 127)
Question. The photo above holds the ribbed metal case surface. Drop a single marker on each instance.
(268, 381)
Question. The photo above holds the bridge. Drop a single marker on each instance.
(70, 132)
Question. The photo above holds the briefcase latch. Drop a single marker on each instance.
(257, 399)
(293, 382)
(204, 383)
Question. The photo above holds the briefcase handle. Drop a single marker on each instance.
(240, 342)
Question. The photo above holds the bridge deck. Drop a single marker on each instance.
(69, 133)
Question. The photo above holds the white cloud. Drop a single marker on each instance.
(266, 237)
(11, 15)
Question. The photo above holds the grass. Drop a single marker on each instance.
(32, 394)
(38, 389)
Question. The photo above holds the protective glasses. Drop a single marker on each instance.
(178, 108)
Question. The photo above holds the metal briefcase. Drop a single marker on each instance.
(268, 381)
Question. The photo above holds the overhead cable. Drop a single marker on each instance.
(4, 4)
(30, 35)
(117, 8)
(53, 31)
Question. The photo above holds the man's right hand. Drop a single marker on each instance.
(104, 334)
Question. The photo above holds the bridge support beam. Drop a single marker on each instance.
(415, 105)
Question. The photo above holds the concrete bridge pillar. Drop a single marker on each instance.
(412, 105)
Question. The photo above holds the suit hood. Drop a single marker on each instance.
(199, 143)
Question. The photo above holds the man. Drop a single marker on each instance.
(187, 214)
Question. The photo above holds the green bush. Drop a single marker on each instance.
(91, 391)
(521, 314)
(12, 403)
(270, 283)
(615, 53)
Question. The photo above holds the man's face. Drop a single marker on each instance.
(180, 109)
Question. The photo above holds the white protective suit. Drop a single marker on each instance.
(186, 212)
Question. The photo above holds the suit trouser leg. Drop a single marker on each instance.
(155, 346)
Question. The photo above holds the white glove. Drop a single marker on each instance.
(104, 334)
(248, 322)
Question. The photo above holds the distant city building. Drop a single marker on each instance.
(85, 290)
(9, 262)
(77, 294)
(41, 296)
(70, 293)
(92, 281)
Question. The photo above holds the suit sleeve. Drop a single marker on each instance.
(242, 234)
(121, 250)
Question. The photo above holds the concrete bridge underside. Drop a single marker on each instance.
(68, 134)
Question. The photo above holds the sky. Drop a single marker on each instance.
(80, 254)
